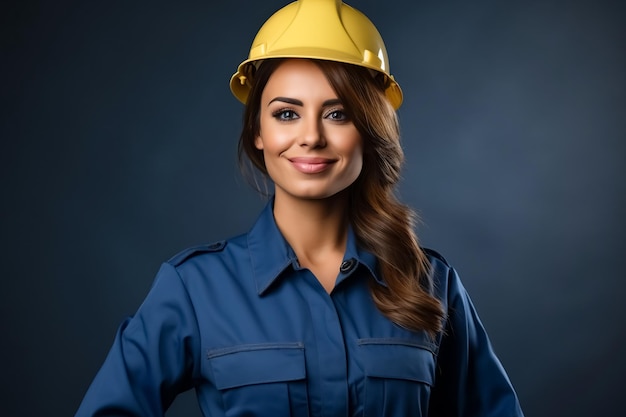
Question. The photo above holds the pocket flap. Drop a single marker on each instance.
(397, 359)
(257, 364)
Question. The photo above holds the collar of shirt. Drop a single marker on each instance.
(271, 254)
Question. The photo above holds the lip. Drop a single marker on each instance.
(311, 165)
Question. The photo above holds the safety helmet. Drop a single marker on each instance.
(319, 29)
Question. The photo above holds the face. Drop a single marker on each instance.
(312, 150)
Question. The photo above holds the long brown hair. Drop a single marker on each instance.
(381, 223)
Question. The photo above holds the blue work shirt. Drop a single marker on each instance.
(257, 335)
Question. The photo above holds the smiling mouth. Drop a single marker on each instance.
(311, 165)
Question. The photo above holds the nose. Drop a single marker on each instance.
(312, 133)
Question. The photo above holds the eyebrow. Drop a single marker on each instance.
(296, 102)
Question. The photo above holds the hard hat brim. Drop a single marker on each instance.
(241, 84)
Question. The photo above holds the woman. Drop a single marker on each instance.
(327, 306)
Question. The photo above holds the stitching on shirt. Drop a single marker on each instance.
(396, 341)
(212, 353)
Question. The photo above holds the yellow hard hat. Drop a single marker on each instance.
(318, 29)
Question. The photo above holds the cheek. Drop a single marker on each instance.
(358, 151)
(358, 160)
(274, 140)
(355, 149)
(358, 155)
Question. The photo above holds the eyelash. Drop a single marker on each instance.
(282, 115)
(343, 116)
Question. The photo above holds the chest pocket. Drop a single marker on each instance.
(265, 380)
(398, 377)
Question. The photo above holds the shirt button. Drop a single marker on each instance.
(346, 266)
(216, 246)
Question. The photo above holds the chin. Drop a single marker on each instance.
(318, 194)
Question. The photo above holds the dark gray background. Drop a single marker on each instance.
(118, 150)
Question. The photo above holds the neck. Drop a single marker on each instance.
(314, 228)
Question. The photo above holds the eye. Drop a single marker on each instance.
(337, 115)
(285, 115)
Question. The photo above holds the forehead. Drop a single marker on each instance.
(298, 78)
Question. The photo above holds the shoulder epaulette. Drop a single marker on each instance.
(435, 254)
(196, 250)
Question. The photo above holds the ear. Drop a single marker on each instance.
(258, 142)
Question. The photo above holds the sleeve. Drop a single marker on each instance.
(152, 357)
(470, 380)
